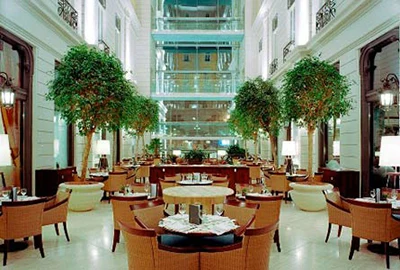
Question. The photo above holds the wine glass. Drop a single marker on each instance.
(251, 188)
(372, 193)
(5, 193)
(394, 194)
(147, 187)
(182, 208)
(23, 191)
(219, 209)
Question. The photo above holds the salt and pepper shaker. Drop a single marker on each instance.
(14, 194)
(378, 195)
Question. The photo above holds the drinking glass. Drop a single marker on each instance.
(182, 208)
(372, 193)
(394, 194)
(251, 188)
(147, 187)
(5, 193)
(190, 177)
(219, 209)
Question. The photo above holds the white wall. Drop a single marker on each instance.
(38, 23)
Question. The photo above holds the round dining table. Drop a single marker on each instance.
(204, 195)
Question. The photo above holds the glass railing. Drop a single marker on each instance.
(226, 86)
(194, 129)
(198, 23)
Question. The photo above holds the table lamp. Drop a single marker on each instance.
(5, 156)
(336, 148)
(103, 149)
(289, 150)
(389, 153)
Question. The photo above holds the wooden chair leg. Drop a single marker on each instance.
(26, 238)
(39, 243)
(276, 240)
(354, 241)
(35, 242)
(328, 233)
(65, 230)
(387, 255)
(56, 227)
(339, 231)
(398, 244)
(6, 247)
(115, 239)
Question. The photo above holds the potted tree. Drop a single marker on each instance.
(313, 92)
(144, 118)
(259, 99)
(154, 149)
(235, 152)
(90, 91)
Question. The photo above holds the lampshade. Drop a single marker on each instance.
(5, 153)
(288, 148)
(177, 153)
(336, 148)
(387, 98)
(221, 153)
(103, 147)
(390, 149)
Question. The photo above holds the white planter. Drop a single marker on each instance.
(84, 196)
(309, 197)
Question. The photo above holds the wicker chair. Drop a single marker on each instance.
(115, 181)
(253, 255)
(255, 172)
(220, 180)
(147, 215)
(279, 183)
(122, 212)
(144, 253)
(138, 187)
(373, 221)
(22, 219)
(142, 173)
(338, 212)
(268, 213)
(318, 176)
(240, 211)
(56, 211)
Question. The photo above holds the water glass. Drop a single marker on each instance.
(147, 187)
(5, 193)
(372, 193)
(394, 194)
(219, 209)
(182, 208)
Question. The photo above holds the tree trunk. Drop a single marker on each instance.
(114, 152)
(255, 147)
(245, 149)
(86, 152)
(143, 148)
(310, 135)
(136, 152)
(273, 140)
(334, 129)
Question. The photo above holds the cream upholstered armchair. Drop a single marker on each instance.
(56, 211)
(144, 253)
(22, 219)
(115, 181)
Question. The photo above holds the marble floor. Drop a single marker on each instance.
(302, 241)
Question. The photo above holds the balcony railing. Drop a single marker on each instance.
(68, 13)
(326, 13)
(199, 23)
(287, 49)
(103, 46)
(273, 66)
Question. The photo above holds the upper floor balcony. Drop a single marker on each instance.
(68, 13)
(325, 14)
(198, 23)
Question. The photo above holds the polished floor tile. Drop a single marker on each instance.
(302, 242)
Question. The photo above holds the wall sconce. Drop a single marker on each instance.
(7, 92)
(387, 95)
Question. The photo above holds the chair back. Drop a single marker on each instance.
(318, 176)
(140, 245)
(122, 211)
(137, 187)
(371, 220)
(220, 180)
(255, 172)
(149, 213)
(56, 207)
(166, 184)
(279, 182)
(269, 211)
(93, 170)
(143, 171)
(258, 242)
(338, 209)
(22, 219)
(244, 213)
(115, 181)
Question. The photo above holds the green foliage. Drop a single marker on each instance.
(242, 124)
(258, 100)
(144, 116)
(195, 155)
(235, 150)
(154, 146)
(313, 92)
(90, 90)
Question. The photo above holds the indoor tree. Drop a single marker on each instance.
(144, 118)
(244, 126)
(90, 91)
(259, 100)
(313, 92)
